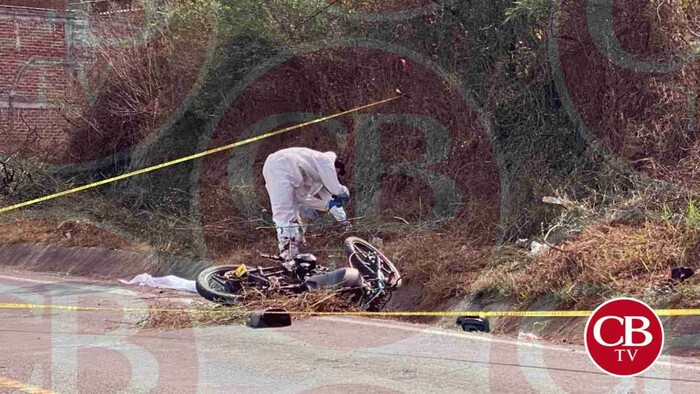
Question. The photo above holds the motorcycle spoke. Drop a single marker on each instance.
(364, 253)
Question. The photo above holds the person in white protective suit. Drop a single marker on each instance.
(303, 182)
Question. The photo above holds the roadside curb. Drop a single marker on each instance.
(95, 261)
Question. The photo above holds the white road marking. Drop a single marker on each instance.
(425, 330)
(487, 338)
(18, 279)
(442, 332)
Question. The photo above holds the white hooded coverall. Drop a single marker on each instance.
(296, 179)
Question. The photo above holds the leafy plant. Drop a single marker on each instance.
(693, 215)
(529, 9)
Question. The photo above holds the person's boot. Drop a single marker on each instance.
(290, 239)
(288, 254)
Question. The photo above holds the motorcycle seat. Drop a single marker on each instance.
(344, 277)
(305, 258)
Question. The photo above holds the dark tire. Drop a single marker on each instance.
(213, 291)
(355, 245)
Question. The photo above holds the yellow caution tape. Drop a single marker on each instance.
(660, 312)
(191, 157)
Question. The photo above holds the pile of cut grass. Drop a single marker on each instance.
(169, 315)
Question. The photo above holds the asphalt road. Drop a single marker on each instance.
(64, 351)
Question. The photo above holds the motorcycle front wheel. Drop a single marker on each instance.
(359, 252)
(213, 285)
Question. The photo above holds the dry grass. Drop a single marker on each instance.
(64, 233)
(139, 84)
(623, 258)
(624, 250)
(167, 315)
(605, 260)
(608, 245)
(649, 119)
(442, 266)
(687, 294)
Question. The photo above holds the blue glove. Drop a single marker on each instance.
(338, 201)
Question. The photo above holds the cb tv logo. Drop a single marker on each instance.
(624, 337)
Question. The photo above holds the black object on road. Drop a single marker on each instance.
(270, 318)
(681, 273)
(474, 324)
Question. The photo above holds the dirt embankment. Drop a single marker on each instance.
(619, 255)
(514, 138)
(80, 247)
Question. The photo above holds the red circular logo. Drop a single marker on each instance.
(624, 337)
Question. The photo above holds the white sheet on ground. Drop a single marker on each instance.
(168, 282)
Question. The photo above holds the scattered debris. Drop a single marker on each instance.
(272, 317)
(681, 273)
(537, 248)
(557, 201)
(528, 336)
(676, 276)
(176, 315)
(169, 314)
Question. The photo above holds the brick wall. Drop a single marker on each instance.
(44, 51)
(45, 4)
(36, 65)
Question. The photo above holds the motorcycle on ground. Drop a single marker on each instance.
(369, 278)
